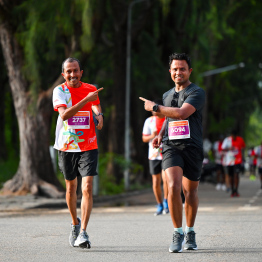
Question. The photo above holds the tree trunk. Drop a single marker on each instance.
(35, 173)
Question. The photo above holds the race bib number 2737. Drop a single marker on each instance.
(81, 120)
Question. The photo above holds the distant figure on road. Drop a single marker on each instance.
(233, 147)
(151, 129)
(76, 143)
(252, 163)
(181, 135)
(258, 154)
(218, 155)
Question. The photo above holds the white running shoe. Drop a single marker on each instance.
(224, 187)
(83, 240)
(218, 186)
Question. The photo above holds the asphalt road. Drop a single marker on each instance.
(228, 229)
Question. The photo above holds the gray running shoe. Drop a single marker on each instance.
(75, 229)
(190, 241)
(83, 240)
(177, 243)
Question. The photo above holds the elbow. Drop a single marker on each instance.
(181, 117)
(64, 118)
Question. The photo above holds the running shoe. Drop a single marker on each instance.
(252, 177)
(190, 241)
(165, 205)
(224, 187)
(177, 243)
(83, 240)
(75, 229)
(218, 186)
(233, 194)
(159, 209)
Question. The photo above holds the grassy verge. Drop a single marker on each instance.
(7, 170)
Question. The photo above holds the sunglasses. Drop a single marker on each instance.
(174, 102)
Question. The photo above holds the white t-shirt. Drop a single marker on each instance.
(217, 147)
(150, 126)
(258, 153)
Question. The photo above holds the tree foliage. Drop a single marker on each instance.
(215, 33)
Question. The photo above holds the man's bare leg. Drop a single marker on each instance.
(156, 184)
(87, 200)
(165, 186)
(190, 189)
(71, 199)
(174, 181)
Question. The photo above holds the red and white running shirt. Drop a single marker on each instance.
(77, 134)
(233, 155)
(152, 124)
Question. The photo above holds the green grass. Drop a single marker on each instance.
(7, 170)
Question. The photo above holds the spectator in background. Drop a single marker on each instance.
(258, 154)
(252, 163)
(233, 147)
(218, 156)
(151, 129)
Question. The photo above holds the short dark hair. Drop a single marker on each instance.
(70, 60)
(182, 56)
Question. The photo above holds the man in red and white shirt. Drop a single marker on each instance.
(76, 143)
(233, 158)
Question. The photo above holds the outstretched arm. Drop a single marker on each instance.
(66, 113)
(172, 112)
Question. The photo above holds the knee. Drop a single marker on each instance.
(87, 189)
(174, 186)
(190, 193)
(71, 189)
(156, 181)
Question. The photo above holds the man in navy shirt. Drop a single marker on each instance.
(181, 136)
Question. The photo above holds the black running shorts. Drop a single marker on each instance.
(155, 167)
(78, 164)
(235, 169)
(189, 158)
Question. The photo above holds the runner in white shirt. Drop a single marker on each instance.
(151, 128)
(258, 153)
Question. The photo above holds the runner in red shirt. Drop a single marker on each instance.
(233, 158)
(77, 144)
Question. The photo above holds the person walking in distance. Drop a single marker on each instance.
(218, 155)
(76, 143)
(152, 127)
(258, 154)
(182, 140)
(233, 146)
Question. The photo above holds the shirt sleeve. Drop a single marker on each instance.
(225, 144)
(197, 99)
(146, 128)
(59, 98)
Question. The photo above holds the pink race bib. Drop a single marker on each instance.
(81, 120)
(178, 129)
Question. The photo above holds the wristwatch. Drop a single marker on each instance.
(101, 114)
(155, 107)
